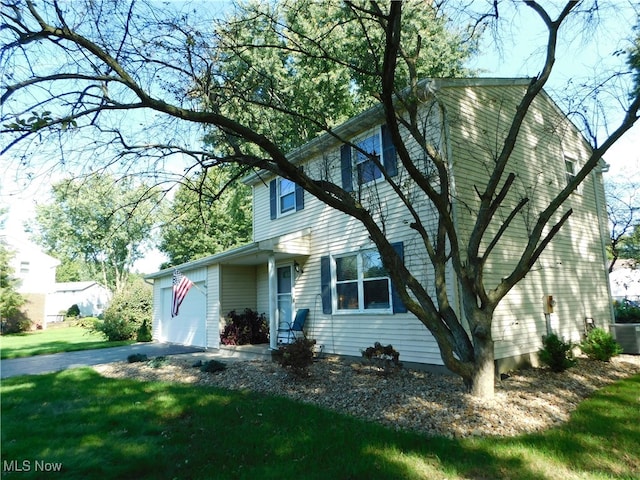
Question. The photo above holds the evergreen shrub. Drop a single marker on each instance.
(212, 366)
(600, 345)
(137, 357)
(556, 353)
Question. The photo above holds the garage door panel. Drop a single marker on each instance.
(188, 327)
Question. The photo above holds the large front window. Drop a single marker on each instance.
(367, 169)
(362, 283)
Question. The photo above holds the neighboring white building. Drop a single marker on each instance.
(91, 298)
(625, 280)
(307, 255)
(37, 274)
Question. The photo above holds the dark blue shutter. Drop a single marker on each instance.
(346, 167)
(299, 196)
(273, 199)
(398, 305)
(389, 157)
(325, 284)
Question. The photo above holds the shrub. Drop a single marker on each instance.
(90, 323)
(626, 311)
(600, 345)
(18, 322)
(212, 366)
(144, 332)
(386, 359)
(297, 357)
(137, 357)
(73, 311)
(247, 327)
(158, 362)
(556, 353)
(116, 328)
(127, 312)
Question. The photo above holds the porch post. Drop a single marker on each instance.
(213, 320)
(273, 303)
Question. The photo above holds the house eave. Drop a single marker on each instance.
(373, 116)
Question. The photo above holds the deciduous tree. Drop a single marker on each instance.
(623, 210)
(114, 60)
(98, 222)
(11, 318)
(209, 214)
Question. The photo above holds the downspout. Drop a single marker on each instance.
(598, 180)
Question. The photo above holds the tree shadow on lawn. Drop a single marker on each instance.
(59, 346)
(107, 428)
(603, 434)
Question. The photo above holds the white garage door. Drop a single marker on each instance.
(188, 327)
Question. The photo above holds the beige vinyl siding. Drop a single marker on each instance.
(333, 233)
(238, 289)
(348, 334)
(476, 119)
(262, 289)
(572, 267)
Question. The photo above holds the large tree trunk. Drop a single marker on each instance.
(480, 320)
(483, 380)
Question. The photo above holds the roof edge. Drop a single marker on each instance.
(373, 115)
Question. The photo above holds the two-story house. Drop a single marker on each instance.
(36, 272)
(306, 254)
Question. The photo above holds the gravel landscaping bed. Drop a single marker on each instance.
(527, 401)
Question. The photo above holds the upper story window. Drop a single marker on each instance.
(570, 167)
(368, 171)
(24, 267)
(285, 197)
(360, 167)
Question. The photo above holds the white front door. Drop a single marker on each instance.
(284, 301)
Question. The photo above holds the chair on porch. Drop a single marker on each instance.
(291, 331)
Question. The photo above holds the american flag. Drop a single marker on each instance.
(181, 286)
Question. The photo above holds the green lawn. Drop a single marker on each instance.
(93, 427)
(52, 340)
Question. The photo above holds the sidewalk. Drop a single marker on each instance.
(61, 361)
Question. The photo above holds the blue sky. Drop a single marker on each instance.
(518, 54)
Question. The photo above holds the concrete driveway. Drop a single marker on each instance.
(61, 361)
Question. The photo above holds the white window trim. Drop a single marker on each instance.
(361, 310)
(574, 163)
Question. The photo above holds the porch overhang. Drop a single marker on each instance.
(282, 247)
